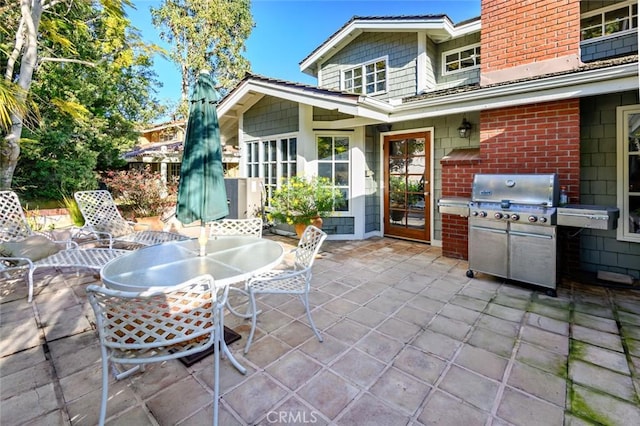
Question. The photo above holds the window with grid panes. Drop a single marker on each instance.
(253, 159)
(609, 20)
(369, 78)
(270, 166)
(272, 160)
(173, 170)
(333, 163)
(629, 172)
(461, 59)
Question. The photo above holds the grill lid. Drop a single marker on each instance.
(522, 189)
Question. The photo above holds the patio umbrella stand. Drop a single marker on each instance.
(230, 336)
(201, 192)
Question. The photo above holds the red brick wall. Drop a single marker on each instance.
(537, 138)
(527, 31)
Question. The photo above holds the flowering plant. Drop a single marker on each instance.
(299, 200)
(142, 191)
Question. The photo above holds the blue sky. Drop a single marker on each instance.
(286, 31)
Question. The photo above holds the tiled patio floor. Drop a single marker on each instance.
(408, 339)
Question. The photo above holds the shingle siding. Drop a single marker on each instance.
(270, 116)
(625, 44)
(372, 181)
(321, 114)
(470, 76)
(600, 250)
(401, 49)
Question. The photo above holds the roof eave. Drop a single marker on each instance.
(567, 86)
(347, 103)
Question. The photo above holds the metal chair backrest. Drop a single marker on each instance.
(145, 325)
(13, 222)
(234, 227)
(101, 213)
(308, 247)
(157, 325)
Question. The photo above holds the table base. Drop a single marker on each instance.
(230, 336)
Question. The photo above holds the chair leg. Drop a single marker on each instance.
(105, 387)
(305, 302)
(252, 300)
(225, 349)
(30, 284)
(216, 374)
(233, 310)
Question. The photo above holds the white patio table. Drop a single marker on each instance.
(229, 260)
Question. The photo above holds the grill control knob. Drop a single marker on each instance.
(474, 213)
(532, 219)
(543, 219)
(482, 214)
(515, 217)
(498, 215)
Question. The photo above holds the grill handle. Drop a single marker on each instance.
(495, 231)
(528, 234)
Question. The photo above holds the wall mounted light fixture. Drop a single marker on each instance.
(465, 129)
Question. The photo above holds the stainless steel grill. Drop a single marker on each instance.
(513, 221)
(512, 227)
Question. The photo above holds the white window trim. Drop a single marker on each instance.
(362, 66)
(279, 161)
(461, 49)
(314, 171)
(623, 233)
(606, 9)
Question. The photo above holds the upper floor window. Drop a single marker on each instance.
(369, 78)
(609, 20)
(461, 59)
(629, 172)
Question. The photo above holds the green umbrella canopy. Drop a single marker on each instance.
(201, 191)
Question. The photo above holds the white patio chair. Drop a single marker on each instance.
(236, 227)
(102, 217)
(24, 250)
(157, 325)
(292, 281)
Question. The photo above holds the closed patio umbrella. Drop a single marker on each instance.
(201, 192)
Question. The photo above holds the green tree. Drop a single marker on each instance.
(205, 34)
(89, 73)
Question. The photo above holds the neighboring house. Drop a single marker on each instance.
(547, 87)
(160, 147)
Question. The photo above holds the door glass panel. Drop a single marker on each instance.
(398, 148)
(416, 146)
(406, 209)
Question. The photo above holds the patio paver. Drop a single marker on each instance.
(408, 339)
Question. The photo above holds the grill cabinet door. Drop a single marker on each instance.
(532, 254)
(488, 248)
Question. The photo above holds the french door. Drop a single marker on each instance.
(407, 200)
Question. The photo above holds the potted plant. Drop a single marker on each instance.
(300, 201)
(142, 195)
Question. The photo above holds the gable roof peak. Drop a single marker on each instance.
(439, 26)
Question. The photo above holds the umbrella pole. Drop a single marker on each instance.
(202, 240)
